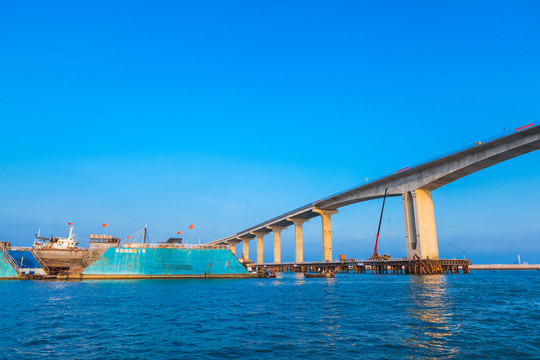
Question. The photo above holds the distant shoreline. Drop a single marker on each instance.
(505, 267)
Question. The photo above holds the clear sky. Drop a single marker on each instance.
(227, 113)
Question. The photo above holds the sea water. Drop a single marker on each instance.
(490, 315)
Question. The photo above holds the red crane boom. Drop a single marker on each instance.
(375, 254)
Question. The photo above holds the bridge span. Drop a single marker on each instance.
(413, 183)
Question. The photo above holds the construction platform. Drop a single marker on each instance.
(392, 266)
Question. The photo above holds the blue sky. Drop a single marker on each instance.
(225, 114)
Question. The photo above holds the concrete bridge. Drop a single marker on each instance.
(414, 184)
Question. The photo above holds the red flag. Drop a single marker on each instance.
(105, 225)
(69, 224)
(179, 232)
(191, 227)
(129, 237)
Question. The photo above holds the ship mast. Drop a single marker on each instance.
(145, 233)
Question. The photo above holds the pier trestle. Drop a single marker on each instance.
(415, 266)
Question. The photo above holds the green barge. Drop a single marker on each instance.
(166, 261)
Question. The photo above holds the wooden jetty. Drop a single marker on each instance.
(392, 266)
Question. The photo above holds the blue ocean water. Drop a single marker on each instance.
(490, 315)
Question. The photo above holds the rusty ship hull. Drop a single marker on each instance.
(57, 260)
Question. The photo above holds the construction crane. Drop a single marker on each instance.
(376, 255)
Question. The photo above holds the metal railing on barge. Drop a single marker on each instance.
(13, 262)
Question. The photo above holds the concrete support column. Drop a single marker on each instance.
(245, 249)
(326, 232)
(260, 236)
(420, 231)
(277, 242)
(232, 244)
(298, 239)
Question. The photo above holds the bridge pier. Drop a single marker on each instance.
(260, 236)
(420, 231)
(298, 239)
(326, 232)
(232, 244)
(245, 248)
(277, 242)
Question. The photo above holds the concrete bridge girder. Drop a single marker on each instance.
(432, 175)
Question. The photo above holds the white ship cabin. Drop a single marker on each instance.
(58, 243)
